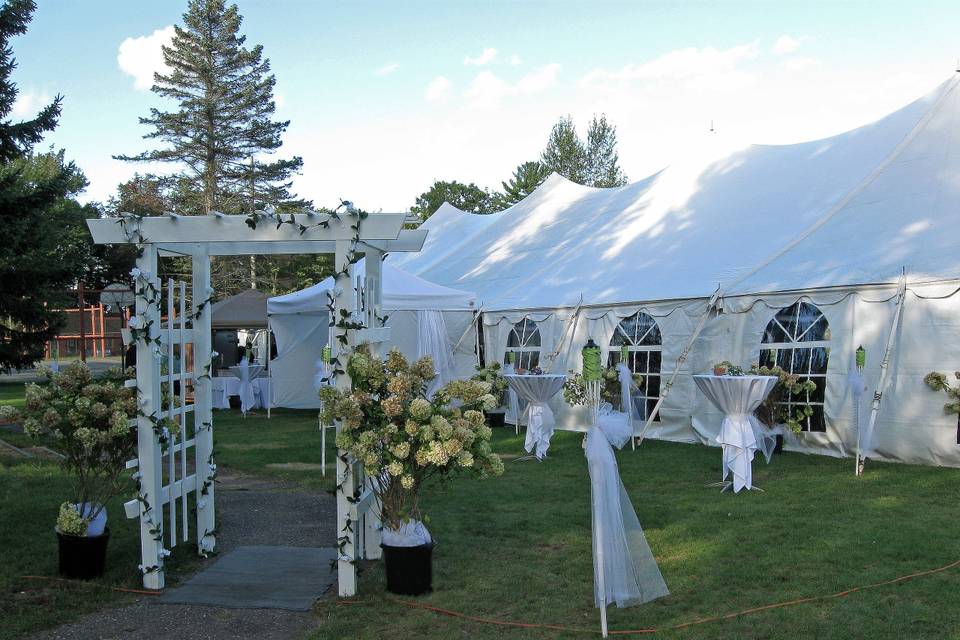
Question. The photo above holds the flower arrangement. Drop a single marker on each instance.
(88, 421)
(493, 375)
(938, 382)
(727, 368)
(789, 386)
(401, 438)
(575, 387)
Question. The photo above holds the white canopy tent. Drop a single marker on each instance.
(831, 223)
(424, 318)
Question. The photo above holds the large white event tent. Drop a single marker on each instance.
(806, 242)
(424, 319)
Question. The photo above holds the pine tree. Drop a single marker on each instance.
(40, 255)
(223, 117)
(526, 177)
(594, 164)
(602, 160)
(565, 153)
(466, 197)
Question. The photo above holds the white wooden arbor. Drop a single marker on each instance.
(347, 235)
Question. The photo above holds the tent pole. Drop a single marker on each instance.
(572, 322)
(473, 322)
(269, 369)
(884, 366)
(683, 357)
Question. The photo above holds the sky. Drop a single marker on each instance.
(384, 98)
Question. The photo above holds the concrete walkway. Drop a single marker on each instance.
(250, 511)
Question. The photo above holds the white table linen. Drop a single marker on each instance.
(224, 387)
(537, 390)
(630, 574)
(738, 397)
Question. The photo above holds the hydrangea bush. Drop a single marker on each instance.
(401, 438)
(493, 373)
(939, 382)
(87, 420)
(789, 387)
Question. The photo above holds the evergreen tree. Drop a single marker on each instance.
(39, 256)
(565, 153)
(602, 160)
(466, 197)
(594, 163)
(526, 177)
(223, 116)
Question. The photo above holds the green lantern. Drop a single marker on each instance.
(591, 361)
(624, 354)
(512, 357)
(861, 358)
(326, 354)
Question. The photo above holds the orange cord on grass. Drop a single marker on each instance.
(143, 592)
(728, 616)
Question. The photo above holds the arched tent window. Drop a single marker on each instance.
(641, 336)
(524, 341)
(797, 340)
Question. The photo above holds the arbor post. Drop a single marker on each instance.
(373, 297)
(148, 444)
(203, 402)
(347, 531)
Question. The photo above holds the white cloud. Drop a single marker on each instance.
(140, 57)
(514, 60)
(29, 103)
(785, 44)
(387, 69)
(488, 90)
(438, 89)
(799, 63)
(486, 57)
(691, 67)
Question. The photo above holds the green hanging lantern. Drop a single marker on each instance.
(861, 358)
(591, 361)
(326, 354)
(512, 357)
(624, 354)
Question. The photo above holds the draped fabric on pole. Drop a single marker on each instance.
(631, 575)
(432, 341)
(247, 398)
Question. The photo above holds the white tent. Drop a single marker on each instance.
(424, 319)
(830, 223)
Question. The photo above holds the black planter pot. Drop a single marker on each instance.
(409, 569)
(496, 418)
(82, 557)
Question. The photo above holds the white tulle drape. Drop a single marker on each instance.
(630, 572)
(247, 398)
(432, 341)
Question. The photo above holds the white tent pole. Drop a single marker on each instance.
(884, 366)
(683, 357)
(572, 322)
(269, 368)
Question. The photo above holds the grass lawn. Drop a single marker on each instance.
(285, 447)
(518, 547)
